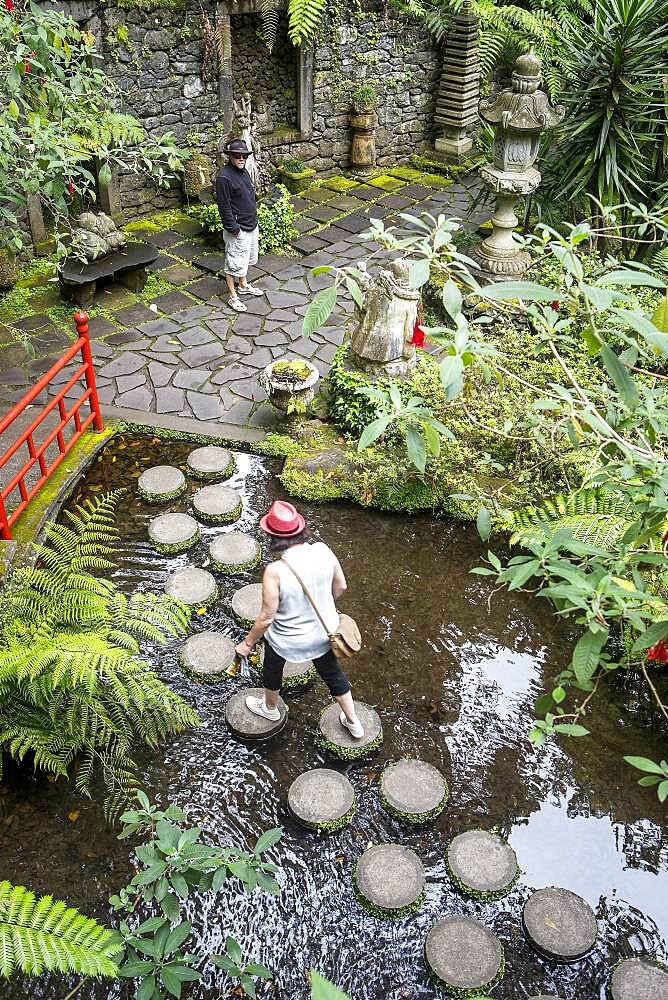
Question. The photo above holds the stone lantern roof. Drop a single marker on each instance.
(522, 107)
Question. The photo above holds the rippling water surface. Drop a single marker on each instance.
(453, 670)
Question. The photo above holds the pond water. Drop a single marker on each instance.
(453, 670)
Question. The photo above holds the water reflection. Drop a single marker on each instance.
(453, 673)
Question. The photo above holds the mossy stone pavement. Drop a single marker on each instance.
(177, 349)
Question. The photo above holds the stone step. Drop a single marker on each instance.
(217, 504)
(208, 657)
(297, 674)
(322, 799)
(234, 552)
(559, 924)
(463, 956)
(389, 881)
(211, 462)
(195, 587)
(413, 790)
(161, 483)
(245, 724)
(482, 864)
(246, 603)
(173, 533)
(639, 979)
(336, 738)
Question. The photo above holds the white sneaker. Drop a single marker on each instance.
(249, 290)
(258, 707)
(356, 729)
(236, 304)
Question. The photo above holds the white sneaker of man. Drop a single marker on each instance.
(235, 303)
(249, 290)
(258, 706)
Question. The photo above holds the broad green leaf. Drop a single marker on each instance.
(180, 885)
(146, 988)
(655, 633)
(170, 907)
(253, 969)
(372, 432)
(176, 937)
(13, 109)
(452, 298)
(452, 375)
(105, 174)
(558, 694)
(133, 969)
(416, 448)
(419, 273)
(268, 839)
(323, 269)
(355, 293)
(586, 654)
(319, 310)
(662, 791)
(232, 948)
(571, 729)
(660, 315)
(484, 523)
(219, 877)
(632, 278)
(171, 982)
(618, 373)
(247, 985)
(528, 290)
(152, 924)
(644, 764)
(522, 573)
(322, 989)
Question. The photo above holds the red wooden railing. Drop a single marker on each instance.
(72, 424)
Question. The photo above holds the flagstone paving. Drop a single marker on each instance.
(185, 352)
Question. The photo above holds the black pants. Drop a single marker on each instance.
(327, 666)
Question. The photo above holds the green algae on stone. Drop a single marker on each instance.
(475, 994)
(382, 914)
(453, 934)
(388, 874)
(231, 568)
(340, 183)
(176, 548)
(476, 893)
(386, 183)
(299, 680)
(415, 818)
(343, 750)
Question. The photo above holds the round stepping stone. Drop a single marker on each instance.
(389, 881)
(559, 924)
(246, 603)
(322, 800)
(210, 462)
(192, 586)
(234, 552)
(207, 657)
(217, 504)
(245, 724)
(298, 674)
(161, 483)
(173, 533)
(482, 865)
(334, 737)
(463, 956)
(413, 790)
(639, 979)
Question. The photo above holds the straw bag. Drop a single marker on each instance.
(346, 641)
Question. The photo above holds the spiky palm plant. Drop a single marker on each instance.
(74, 693)
(38, 935)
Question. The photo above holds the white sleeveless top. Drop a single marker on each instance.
(296, 632)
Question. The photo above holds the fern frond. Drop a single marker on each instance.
(591, 515)
(304, 18)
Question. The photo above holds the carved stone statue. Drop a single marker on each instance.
(248, 125)
(96, 236)
(381, 339)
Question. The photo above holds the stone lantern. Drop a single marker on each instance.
(518, 115)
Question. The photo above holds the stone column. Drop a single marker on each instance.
(305, 92)
(225, 80)
(109, 196)
(459, 91)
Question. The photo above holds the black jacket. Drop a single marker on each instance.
(235, 195)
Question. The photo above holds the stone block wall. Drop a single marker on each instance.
(155, 56)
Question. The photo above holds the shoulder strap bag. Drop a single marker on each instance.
(346, 641)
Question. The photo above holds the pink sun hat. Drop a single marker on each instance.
(282, 520)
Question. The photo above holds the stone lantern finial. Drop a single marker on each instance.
(518, 115)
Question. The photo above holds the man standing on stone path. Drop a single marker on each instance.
(291, 628)
(235, 195)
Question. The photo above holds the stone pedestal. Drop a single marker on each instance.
(500, 253)
(363, 152)
(456, 112)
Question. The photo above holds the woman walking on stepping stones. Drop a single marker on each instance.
(287, 621)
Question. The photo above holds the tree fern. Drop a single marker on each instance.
(74, 694)
(38, 935)
(304, 18)
(591, 515)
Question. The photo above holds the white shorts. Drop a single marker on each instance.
(240, 252)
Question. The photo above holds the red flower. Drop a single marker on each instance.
(658, 652)
(9, 5)
(70, 187)
(418, 336)
(26, 67)
(555, 305)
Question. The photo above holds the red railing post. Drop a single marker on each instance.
(81, 321)
(5, 533)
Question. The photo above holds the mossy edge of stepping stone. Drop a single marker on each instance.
(580, 910)
(299, 680)
(231, 568)
(162, 497)
(471, 993)
(653, 964)
(343, 752)
(471, 891)
(414, 818)
(380, 912)
(246, 622)
(207, 603)
(174, 548)
(208, 477)
(195, 675)
(329, 826)
(271, 728)
(216, 519)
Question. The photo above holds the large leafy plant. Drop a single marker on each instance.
(75, 696)
(56, 118)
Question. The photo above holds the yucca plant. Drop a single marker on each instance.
(75, 696)
(613, 144)
(47, 935)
